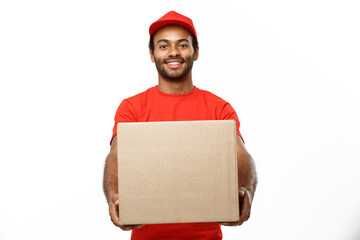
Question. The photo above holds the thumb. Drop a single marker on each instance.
(241, 192)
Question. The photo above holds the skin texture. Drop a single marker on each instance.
(173, 44)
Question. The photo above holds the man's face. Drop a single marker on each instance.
(173, 53)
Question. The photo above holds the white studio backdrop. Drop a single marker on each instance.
(289, 68)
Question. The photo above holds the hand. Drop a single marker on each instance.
(114, 214)
(244, 207)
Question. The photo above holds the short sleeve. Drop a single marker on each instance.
(229, 113)
(125, 113)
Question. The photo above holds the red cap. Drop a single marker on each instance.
(173, 18)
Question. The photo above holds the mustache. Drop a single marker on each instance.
(174, 58)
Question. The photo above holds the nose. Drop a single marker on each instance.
(174, 51)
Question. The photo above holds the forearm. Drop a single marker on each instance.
(110, 183)
(247, 177)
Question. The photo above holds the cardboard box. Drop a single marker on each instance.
(177, 172)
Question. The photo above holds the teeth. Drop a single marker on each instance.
(174, 63)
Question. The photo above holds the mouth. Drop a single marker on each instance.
(174, 63)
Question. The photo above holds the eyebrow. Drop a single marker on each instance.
(166, 40)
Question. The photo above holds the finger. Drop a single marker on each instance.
(242, 192)
(223, 223)
(232, 224)
(244, 208)
(125, 227)
(114, 214)
(137, 226)
(130, 227)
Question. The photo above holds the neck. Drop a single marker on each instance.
(175, 87)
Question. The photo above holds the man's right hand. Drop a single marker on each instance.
(114, 214)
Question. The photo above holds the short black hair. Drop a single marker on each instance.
(194, 42)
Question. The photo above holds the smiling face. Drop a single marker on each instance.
(173, 53)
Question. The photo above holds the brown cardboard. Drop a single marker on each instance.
(177, 172)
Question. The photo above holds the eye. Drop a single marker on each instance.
(183, 45)
(163, 46)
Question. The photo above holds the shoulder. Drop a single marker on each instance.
(133, 103)
(223, 109)
(209, 96)
(138, 97)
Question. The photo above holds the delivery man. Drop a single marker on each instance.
(173, 47)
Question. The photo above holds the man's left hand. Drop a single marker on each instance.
(244, 208)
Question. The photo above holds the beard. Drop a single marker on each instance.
(174, 75)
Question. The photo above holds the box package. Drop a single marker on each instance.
(177, 172)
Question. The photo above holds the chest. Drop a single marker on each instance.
(176, 110)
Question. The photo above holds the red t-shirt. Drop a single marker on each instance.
(154, 106)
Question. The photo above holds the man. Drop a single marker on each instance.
(173, 48)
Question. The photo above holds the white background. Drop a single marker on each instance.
(289, 68)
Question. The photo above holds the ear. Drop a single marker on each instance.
(152, 55)
(196, 54)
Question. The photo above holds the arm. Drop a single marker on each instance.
(110, 185)
(247, 181)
